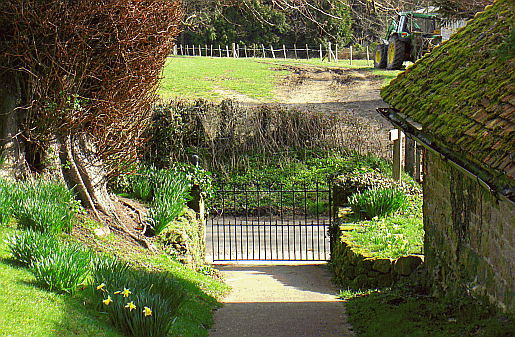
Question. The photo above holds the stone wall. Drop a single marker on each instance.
(470, 236)
(354, 269)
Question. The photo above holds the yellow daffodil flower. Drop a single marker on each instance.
(101, 287)
(107, 300)
(126, 292)
(130, 306)
(147, 311)
(117, 292)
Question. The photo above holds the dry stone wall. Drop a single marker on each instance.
(353, 268)
(470, 236)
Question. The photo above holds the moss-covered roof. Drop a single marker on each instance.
(463, 93)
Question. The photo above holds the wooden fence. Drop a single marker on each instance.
(260, 51)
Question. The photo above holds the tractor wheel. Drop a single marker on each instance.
(396, 51)
(380, 56)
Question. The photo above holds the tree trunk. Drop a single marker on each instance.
(12, 144)
(71, 158)
(83, 171)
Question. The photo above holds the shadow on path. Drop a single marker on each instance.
(279, 300)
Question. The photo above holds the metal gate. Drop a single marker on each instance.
(270, 222)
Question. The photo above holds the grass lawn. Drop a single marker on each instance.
(204, 77)
(401, 311)
(27, 310)
(390, 237)
(189, 77)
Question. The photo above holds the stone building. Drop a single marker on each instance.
(459, 103)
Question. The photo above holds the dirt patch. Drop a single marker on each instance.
(353, 94)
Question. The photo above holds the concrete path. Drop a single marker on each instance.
(279, 300)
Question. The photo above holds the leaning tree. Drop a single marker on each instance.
(77, 80)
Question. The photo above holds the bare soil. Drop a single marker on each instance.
(353, 94)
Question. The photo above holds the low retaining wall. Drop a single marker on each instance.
(354, 269)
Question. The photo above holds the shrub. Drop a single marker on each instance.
(377, 202)
(107, 270)
(143, 184)
(170, 200)
(63, 267)
(28, 245)
(139, 303)
(140, 314)
(6, 201)
(44, 205)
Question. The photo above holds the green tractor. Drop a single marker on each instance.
(408, 39)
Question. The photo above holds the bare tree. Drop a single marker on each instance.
(461, 9)
(77, 80)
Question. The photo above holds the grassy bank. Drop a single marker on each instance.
(30, 310)
(55, 273)
(405, 310)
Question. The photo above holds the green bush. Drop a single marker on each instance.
(28, 245)
(170, 200)
(140, 314)
(139, 303)
(143, 184)
(62, 268)
(44, 205)
(106, 270)
(6, 201)
(377, 202)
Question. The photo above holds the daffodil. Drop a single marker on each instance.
(101, 287)
(130, 306)
(117, 292)
(147, 311)
(107, 300)
(126, 292)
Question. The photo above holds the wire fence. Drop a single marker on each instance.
(329, 53)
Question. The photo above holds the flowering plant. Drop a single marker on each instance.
(139, 303)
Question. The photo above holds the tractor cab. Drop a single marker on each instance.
(407, 39)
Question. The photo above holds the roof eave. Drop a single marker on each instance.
(492, 180)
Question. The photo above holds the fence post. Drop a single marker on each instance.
(320, 52)
(227, 50)
(207, 50)
(182, 51)
(410, 153)
(200, 50)
(418, 171)
(329, 52)
(211, 50)
(234, 50)
(295, 49)
(246, 56)
(262, 45)
(336, 55)
(307, 52)
(368, 58)
(350, 54)
(272, 50)
(254, 50)
(220, 50)
(284, 51)
(396, 136)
